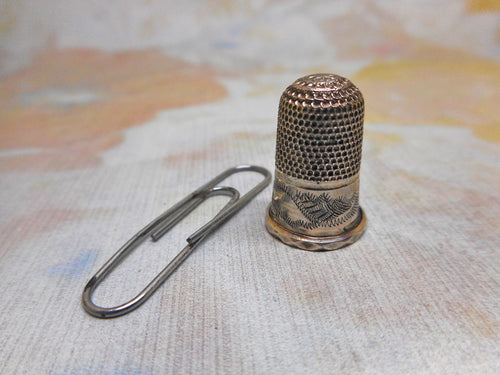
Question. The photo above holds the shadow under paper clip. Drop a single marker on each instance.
(161, 225)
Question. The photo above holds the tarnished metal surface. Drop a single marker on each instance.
(315, 204)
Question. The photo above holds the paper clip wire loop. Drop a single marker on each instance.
(161, 225)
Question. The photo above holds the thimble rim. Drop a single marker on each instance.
(314, 243)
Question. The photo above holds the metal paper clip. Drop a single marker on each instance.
(161, 225)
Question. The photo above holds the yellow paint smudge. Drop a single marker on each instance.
(383, 140)
(413, 81)
(443, 90)
(476, 6)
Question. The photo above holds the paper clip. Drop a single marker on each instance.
(161, 225)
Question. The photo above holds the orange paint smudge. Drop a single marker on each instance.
(382, 35)
(44, 220)
(77, 155)
(75, 102)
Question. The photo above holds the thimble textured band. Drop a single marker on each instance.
(314, 212)
(320, 129)
(315, 202)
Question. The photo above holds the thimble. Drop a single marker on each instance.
(315, 202)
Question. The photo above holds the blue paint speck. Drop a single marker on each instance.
(75, 266)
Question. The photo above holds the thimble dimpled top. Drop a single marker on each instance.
(315, 204)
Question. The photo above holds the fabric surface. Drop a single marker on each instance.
(111, 113)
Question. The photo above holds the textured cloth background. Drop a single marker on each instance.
(110, 113)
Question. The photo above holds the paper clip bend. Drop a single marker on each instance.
(161, 225)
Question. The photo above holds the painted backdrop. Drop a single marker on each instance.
(112, 111)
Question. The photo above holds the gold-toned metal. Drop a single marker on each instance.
(315, 204)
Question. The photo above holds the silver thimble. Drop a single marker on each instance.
(315, 203)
